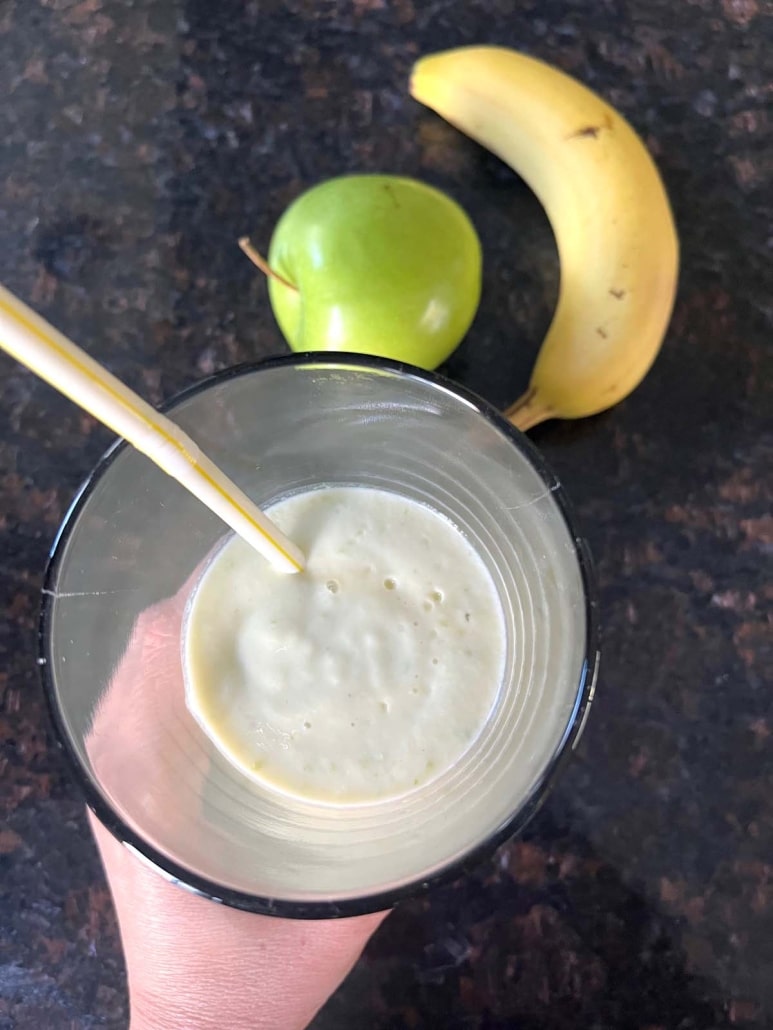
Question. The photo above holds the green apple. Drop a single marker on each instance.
(376, 264)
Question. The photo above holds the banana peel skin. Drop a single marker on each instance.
(615, 233)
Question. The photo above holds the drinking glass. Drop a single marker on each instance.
(132, 545)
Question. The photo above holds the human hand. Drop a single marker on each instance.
(193, 964)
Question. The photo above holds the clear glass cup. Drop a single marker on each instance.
(122, 567)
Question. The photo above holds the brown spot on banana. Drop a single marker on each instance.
(588, 132)
(592, 131)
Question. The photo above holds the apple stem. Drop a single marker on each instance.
(260, 262)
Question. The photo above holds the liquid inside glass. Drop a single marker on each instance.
(362, 678)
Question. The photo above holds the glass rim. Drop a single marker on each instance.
(376, 901)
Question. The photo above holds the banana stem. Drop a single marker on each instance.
(528, 411)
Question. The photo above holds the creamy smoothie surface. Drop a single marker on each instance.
(361, 678)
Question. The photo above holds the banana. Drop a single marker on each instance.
(614, 229)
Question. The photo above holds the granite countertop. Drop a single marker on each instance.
(140, 139)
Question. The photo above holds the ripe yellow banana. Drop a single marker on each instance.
(606, 203)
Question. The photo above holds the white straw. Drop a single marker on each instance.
(44, 350)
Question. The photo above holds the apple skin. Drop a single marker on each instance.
(383, 265)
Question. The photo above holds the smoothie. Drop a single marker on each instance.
(362, 678)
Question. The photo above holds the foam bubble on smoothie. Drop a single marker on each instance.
(363, 677)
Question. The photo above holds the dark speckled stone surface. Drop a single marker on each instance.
(140, 138)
